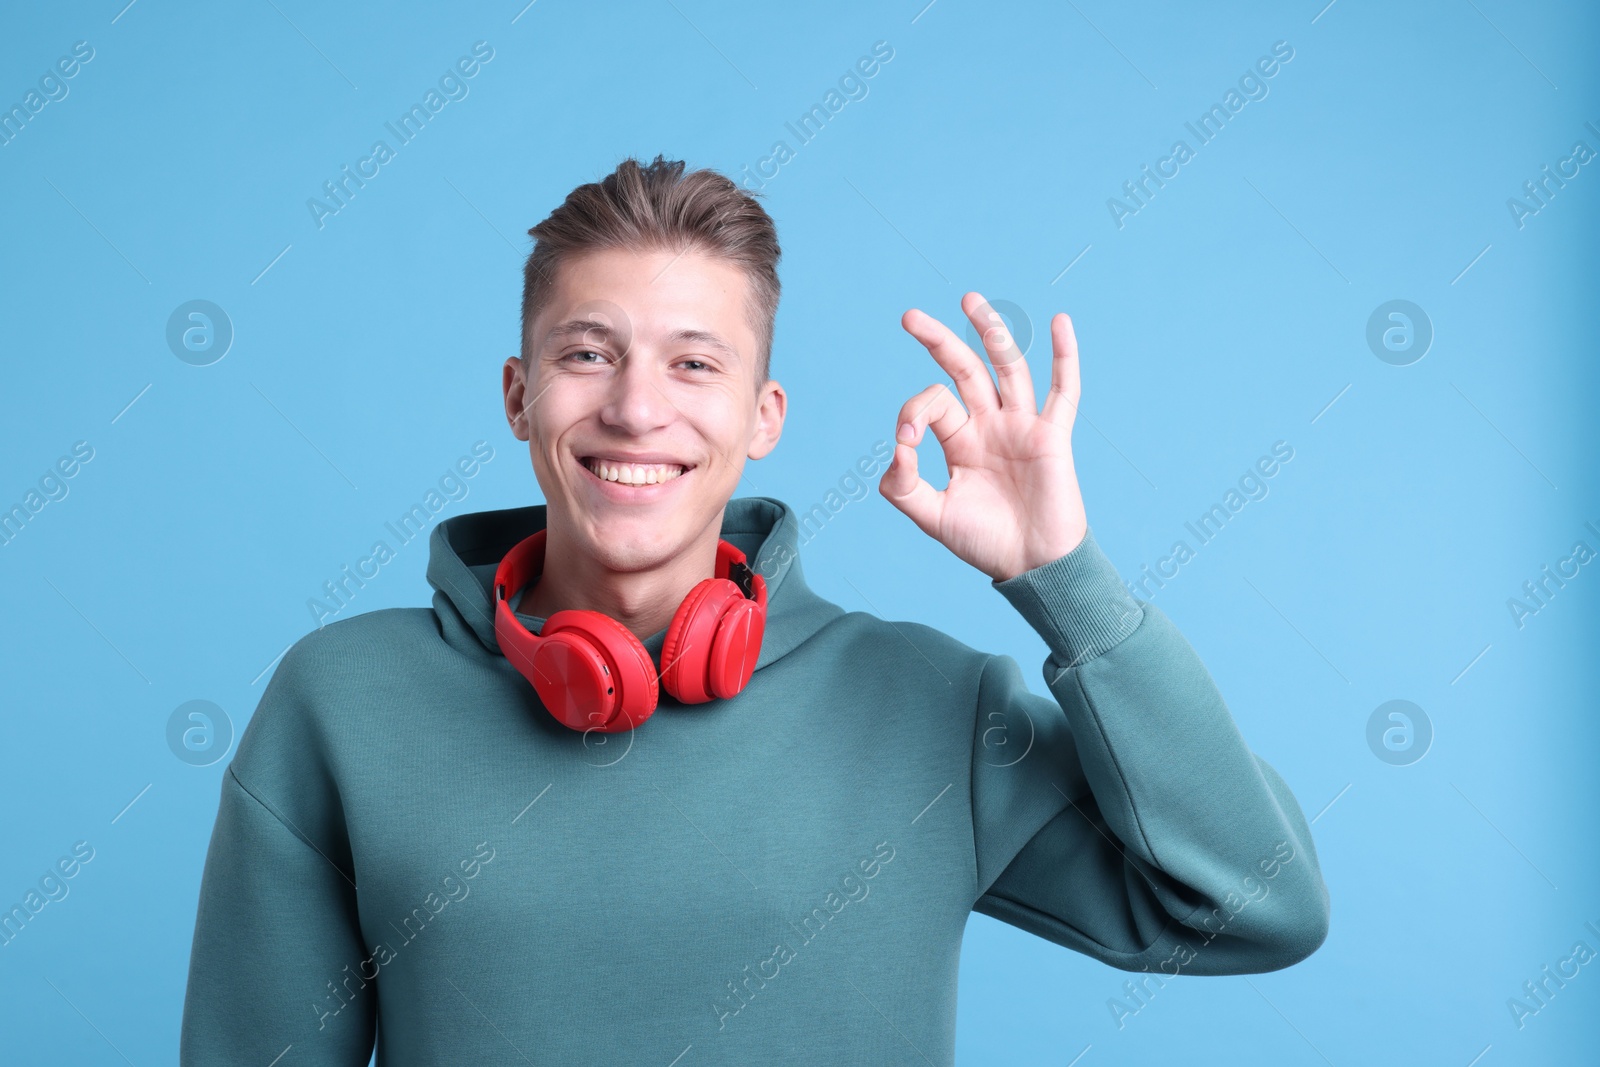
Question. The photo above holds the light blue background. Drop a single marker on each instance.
(1226, 315)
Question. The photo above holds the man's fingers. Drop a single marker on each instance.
(902, 487)
(935, 406)
(963, 365)
(1000, 348)
(1066, 386)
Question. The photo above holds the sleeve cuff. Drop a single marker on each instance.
(1077, 603)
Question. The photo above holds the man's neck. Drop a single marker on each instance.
(643, 601)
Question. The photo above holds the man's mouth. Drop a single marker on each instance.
(613, 470)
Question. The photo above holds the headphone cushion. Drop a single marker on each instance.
(687, 651)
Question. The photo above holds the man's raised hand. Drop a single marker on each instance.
(1012, 502)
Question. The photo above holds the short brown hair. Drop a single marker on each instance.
(660, 208)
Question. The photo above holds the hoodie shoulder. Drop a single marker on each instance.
(331, 696)
(334, 679)
(360, 643)
(913, 647)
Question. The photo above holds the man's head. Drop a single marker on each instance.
(649, 302)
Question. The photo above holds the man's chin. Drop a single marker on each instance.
(622, 539)
(624, 552)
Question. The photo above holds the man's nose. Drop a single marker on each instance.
(635, 402)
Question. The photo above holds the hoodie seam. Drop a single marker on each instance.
(1116, 765)
(288, 826)
(972, 792)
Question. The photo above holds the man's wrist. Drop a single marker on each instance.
(1076, 602)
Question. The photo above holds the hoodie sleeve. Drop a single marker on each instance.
(1127, 819)
(276, 936)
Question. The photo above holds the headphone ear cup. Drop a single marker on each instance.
(686, 653)
(736, 648)
(592, 673)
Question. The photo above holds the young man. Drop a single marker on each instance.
(482, 853)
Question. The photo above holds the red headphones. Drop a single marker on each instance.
(594, 674)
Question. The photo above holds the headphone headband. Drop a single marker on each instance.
(592, 673)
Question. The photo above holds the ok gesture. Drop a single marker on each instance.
(1012, 502)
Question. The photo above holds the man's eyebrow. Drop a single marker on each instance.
(578, 328)
(602, 331)
(704, 337)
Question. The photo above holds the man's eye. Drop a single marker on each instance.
(699, 364)
(585, 352)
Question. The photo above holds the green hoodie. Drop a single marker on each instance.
(409, 846)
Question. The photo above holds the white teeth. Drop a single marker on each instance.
(635, 473)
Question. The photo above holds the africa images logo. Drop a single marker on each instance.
(854, 888)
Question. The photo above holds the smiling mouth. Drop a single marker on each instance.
(635, 474)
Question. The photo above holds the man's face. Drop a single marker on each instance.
(627, 381)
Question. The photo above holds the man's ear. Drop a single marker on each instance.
(771, 407)
(515, 387)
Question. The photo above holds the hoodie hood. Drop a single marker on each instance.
(465, 550)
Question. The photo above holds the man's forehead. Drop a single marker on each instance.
(684, 282)
(689, 285)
